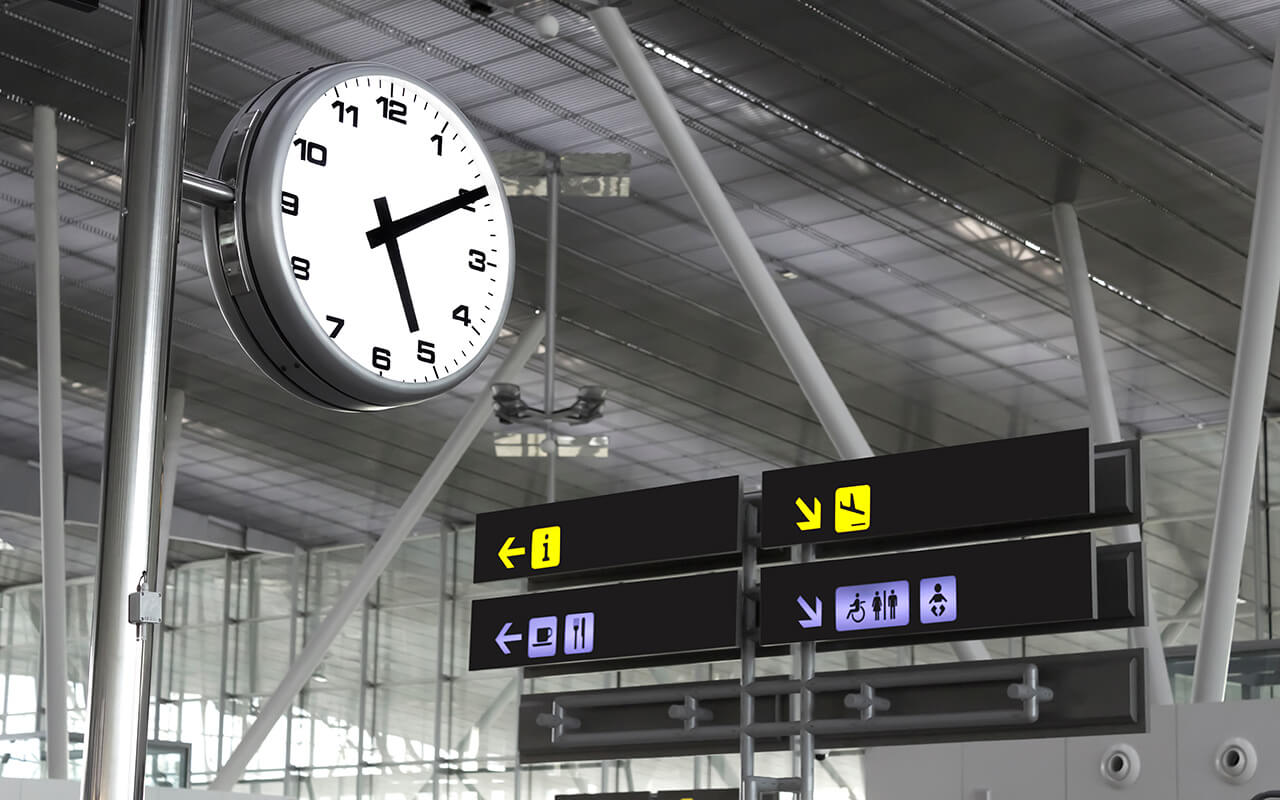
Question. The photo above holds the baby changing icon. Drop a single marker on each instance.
(938, 599)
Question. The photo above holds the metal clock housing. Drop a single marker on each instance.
(395, 287)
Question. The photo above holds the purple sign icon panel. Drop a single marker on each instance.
(873, 605)
(579, 633)
(542, 636)
(938, 599)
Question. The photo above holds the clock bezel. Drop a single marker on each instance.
(250, 266)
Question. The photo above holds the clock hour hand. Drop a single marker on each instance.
(397, 265)
(389, 230)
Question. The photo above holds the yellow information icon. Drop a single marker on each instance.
(545, 548)
(853, 508)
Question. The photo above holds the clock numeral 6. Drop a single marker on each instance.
(381, 358)
(462, 314)
(301, 268)
(393, 110)
(476, 261)
(314, 152)
(426, 352)
(338, 322)
(289, 203)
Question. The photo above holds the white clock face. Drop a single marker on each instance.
(396, 229)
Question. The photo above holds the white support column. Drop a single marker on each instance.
(379, 558)
(1244, 420)
(796, 349)
(1103, 418)
(53, 561)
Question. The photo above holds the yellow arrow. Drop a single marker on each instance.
(506, 551)
(812, 519)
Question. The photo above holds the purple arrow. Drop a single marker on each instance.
(814, 612)
(504, 637)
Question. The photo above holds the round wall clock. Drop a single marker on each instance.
(367, 260)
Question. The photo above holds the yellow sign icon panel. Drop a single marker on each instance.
(545, 548)
(853, 508)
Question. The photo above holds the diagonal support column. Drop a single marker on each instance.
(1244, 420)
(1103, 418)
(379, 558)
(53, 562)
(796, 349)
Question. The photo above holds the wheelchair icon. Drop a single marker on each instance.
(857, 609)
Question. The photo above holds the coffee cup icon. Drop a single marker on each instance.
(542, 636)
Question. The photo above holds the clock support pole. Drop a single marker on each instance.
(137, 378)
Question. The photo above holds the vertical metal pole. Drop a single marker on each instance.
(748, 634)
(1103, 419)
(115, 747)
(808, 660)
(362, 704)
(796, 349)
(294, 581)
(226, 651)
(380, 557)
(49, 375)
(174, 407)
(1244, 418)
(553, 250)
(440, 677)
(1261, 610)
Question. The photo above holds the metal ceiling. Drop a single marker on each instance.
(893, 161)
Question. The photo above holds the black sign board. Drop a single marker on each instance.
(924, 595)
(990, 486)
(1093, 693)
(688, 614)
(683, 522)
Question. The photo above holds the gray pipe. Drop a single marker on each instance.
(53, 561)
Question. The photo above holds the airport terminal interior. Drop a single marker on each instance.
(895, 164)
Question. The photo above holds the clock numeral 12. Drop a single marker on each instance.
(476, 261)
(314, 152)
(289, 203)
(381, 358)
(462, 314)
(393, 110)
(426, 352)
(301, 268)
(345, 111)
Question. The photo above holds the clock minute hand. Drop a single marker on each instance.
(393, 229)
